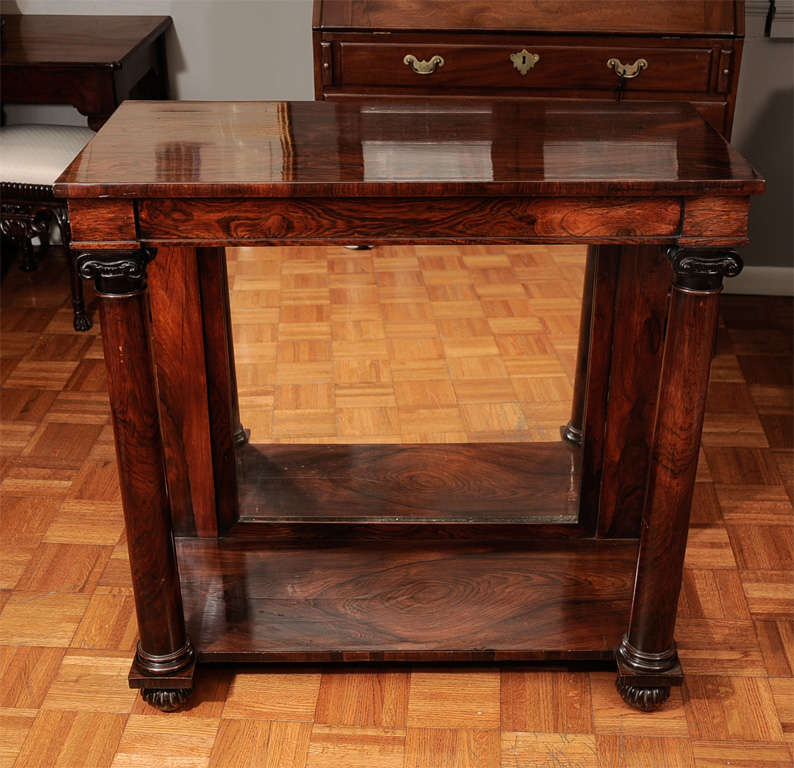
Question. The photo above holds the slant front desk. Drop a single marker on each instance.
(567, 549)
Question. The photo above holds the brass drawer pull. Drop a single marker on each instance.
(423, 67)
(627, 71)
(523, 61)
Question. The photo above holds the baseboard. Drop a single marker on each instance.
(763, 281)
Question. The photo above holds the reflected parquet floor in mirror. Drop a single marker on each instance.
(396, 345)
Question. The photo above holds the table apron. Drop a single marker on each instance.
(227, 221)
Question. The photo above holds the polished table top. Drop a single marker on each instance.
(291, 149)
(37, 39)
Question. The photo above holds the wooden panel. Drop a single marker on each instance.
(182, 382)
(390, 602)
(569, 67)
(105, 221)
(718, 219)
(385, 220)
(480, 483)
(640, 312)
(660, 16)
(221, 381)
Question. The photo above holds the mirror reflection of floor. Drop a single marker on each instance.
(405, 344)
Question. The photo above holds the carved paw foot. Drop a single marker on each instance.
(82, 322)
(646, 699)
(166, 699)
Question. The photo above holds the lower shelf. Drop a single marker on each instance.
(405, 601)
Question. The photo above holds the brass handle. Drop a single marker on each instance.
(423, 67)
(523, 61)
(627, 71)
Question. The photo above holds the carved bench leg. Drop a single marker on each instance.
(647, 659)
(573, 431)
(81, 321)
(165, 657)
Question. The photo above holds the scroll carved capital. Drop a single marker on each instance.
(115, 273)
(703, 269)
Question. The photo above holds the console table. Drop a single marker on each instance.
(482, 552)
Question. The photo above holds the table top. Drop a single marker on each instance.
(87, 40)
(406, 149)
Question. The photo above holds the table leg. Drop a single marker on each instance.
(573, 431)
(647, 659)
(164, 648)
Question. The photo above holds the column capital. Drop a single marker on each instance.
(703, 269)
(115, 273)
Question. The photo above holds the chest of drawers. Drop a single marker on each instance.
(658, 50)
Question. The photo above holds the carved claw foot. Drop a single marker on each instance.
(82, 322)
(166, 699)
(646, 699)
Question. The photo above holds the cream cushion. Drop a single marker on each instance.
(38, 154)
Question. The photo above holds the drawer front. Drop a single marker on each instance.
(490, 66)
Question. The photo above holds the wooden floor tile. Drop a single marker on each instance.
(365, 698)
(346, 747)
(187, 741)
(619, 751)
(783, 694)
(548, 750)
(712, 594)
(14, 727)
(274, 695)
(108, 623)
(92, 681)
(770, 594)
(451, 748)
(71, 740)
(241, 744)
(42, 619)
(719, 647)
(64, 568)
(554, 701)
(456, 698)
(288, 745)
(776, 641)
(731, 708)
(26, 674)
(739, 754)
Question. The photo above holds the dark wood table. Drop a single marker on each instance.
(90, 62)
(568, 549)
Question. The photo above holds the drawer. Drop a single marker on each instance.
(559, 67)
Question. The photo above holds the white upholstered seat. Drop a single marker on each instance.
(38, 154)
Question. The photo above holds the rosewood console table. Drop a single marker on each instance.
(485, 552)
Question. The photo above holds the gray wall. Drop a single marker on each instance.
(261, 49)
(764, 132)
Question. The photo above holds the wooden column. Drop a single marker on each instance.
(573, 431)
(647, 659)
(163, 648)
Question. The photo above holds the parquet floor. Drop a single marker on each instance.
(417, 345)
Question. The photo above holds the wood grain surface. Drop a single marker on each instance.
(341, 150)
